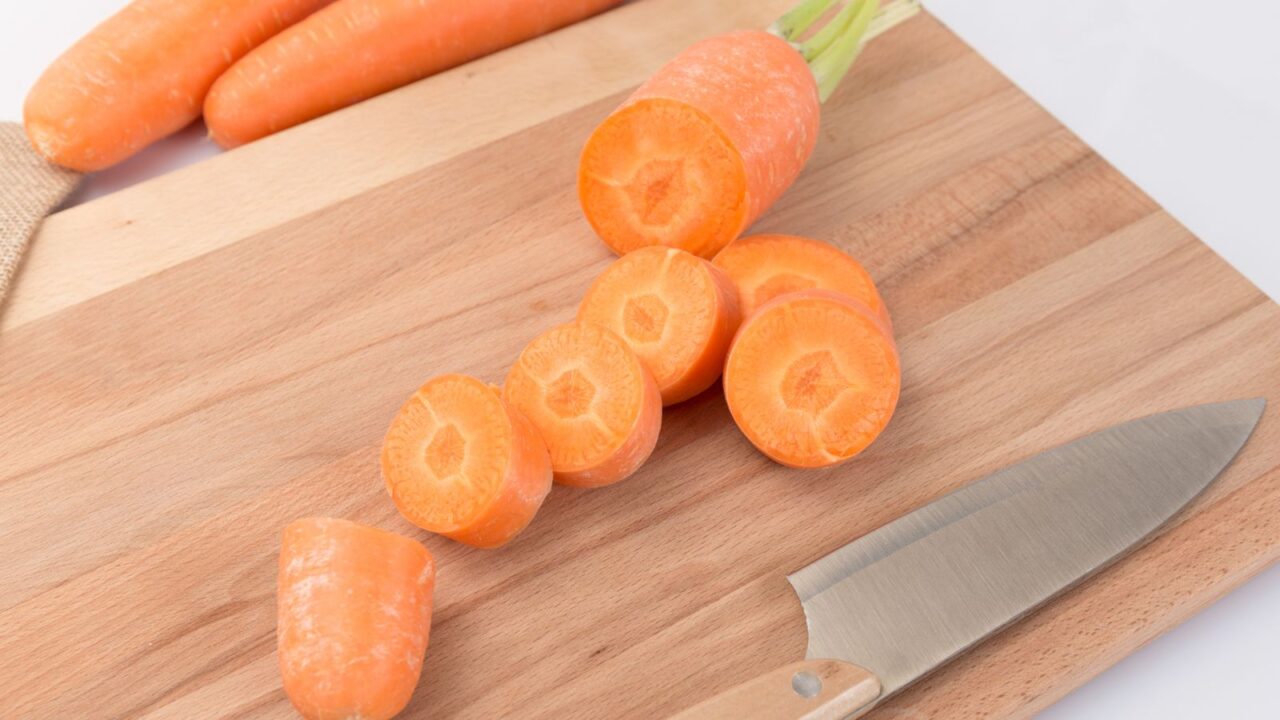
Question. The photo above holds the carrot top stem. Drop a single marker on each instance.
(799, 19)
(841, 29)
(832, 62)
(831, 50)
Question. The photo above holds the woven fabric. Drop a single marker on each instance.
(29, 188)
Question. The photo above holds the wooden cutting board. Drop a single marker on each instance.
(190, 364)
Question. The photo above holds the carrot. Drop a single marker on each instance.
(356, 49)
(763, 267)
(353, 618)
(458, 460)
(143, 74)
(812, 378)
(710, 141)
(677, 311)
(593, 402)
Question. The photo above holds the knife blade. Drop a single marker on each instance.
(903, 599)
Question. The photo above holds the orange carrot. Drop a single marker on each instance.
(359, 48)
(353, 618)
(763, 267)
(460, 461)
(677, 311)
(712, 139)
(143, 74)
(591, 399)
(812, 378)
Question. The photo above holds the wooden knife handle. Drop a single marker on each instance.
(807, 690)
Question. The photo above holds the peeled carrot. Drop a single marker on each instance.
(763, 267)
(677, 311)
(710, 141)
(353, 618)
(460, 461)
(812, 378)
(596, 406)
(360, 48)
(143, 74)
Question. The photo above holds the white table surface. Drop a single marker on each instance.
(1181, 96)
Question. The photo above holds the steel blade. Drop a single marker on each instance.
(907, 597)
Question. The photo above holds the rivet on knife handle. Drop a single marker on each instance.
(806, 690)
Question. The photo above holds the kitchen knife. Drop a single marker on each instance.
(903, 599)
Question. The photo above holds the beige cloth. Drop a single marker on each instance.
(29, 188)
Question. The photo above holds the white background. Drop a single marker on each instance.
(1182, 96)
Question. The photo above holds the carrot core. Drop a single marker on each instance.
(813, 382)
(644, 318)
(445, 453)
(570, 395)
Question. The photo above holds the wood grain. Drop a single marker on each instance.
(161, 427)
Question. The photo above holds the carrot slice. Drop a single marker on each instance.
(596, 407)
(353, 618)
(143, 74)
(458, 460)
(703, 147)
(763, 267)
(677, 311)
(812, 378)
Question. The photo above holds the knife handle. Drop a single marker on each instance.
(806, 690)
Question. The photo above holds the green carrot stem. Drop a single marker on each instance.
(890, 16)
(831, 50)
(838, 29)
(832, 63)
(799, 18)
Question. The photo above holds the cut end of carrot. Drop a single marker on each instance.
(592, 401)
(812, 378)
(353, 618)
(660, 172)
(459, 461)
(764, 267)
(677, 311)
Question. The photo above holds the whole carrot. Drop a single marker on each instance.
(356, 49)
(712, 139)
(143, 74)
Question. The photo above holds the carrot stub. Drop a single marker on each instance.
(143, 74)
(353, 618)
(812, 378)
(703, 147)
(596, 406)
(359, 48)
(764, 267)
(677, 311)
(707, 144)
(458, 460)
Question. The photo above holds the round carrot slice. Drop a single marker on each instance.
(353, 608)
(812, 378)
(596, 407)
(764, 267)
(677, 311)
(458, 460)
